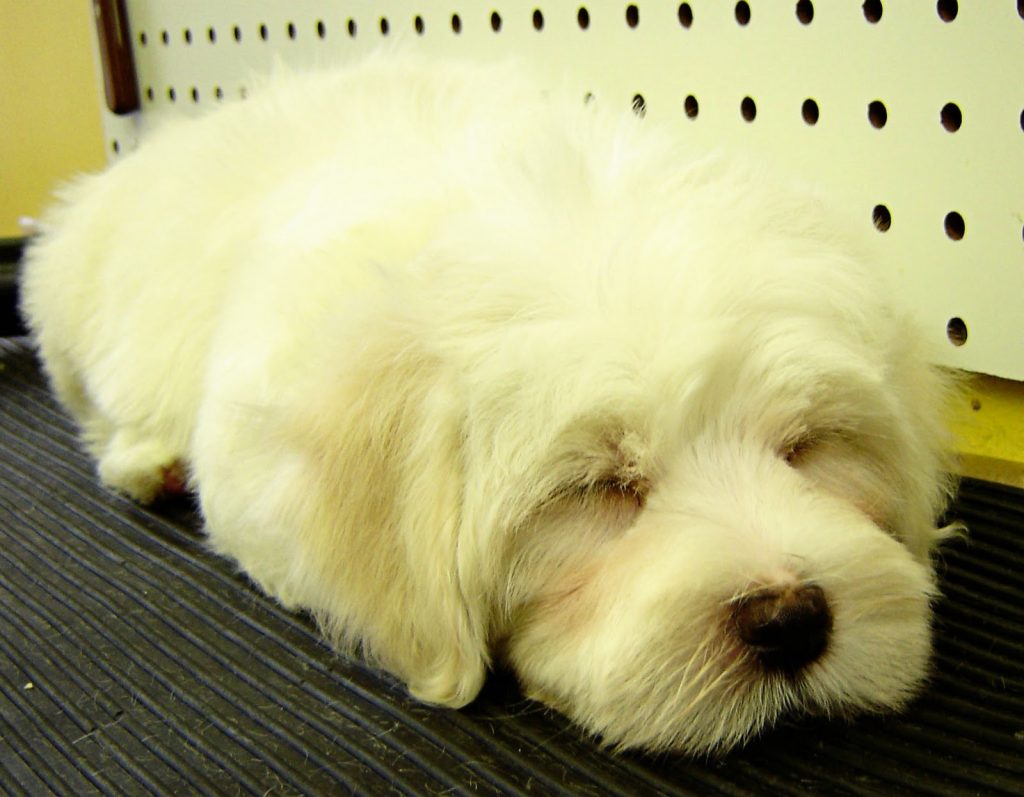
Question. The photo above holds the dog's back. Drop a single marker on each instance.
(125, 288)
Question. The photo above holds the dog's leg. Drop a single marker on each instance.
(131, 461)
(141, 466)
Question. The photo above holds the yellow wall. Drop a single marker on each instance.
(49, 103)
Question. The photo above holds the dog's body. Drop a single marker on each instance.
(469, 373)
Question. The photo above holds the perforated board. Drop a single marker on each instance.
(911, 112)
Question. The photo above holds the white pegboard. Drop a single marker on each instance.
(944, 174)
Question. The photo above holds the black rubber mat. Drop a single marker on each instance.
(132, 661)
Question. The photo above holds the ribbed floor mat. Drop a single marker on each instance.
(133, 661)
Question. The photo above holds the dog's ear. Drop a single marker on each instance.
(923, 452)
(381, 441)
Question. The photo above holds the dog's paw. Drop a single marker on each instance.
(144, 470)
(452, 683)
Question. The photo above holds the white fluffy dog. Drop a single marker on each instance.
(476, 372)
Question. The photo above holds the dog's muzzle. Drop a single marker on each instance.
(787, 628)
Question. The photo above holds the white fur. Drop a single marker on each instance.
(420, 333)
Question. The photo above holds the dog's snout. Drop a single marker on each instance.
(786, 627)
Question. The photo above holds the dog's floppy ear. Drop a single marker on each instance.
(924, 459)
(381, 439)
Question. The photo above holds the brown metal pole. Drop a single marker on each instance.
(119, 81)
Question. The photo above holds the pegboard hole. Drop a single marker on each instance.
(877, 114)
(632, 16)
(143, 39)
(352, 28)
(955, 227)
(583, 18)
(385, 26)
(149, 93)
(218, 92)
(194, 94)
(211, 35)
(743, 13)
(172, 95)
(691, 107)
(538, 19)
(321, 29)
(456, 24)
(187, 36)
(956, 331)
(588, 98)
(496, 22)
(237, 33)
(805, 12)
(639, 105)
(264, 32)
(872, 10)
(951, 117)
(418, 25)
(685, 15)
(165, 37)
(115, 146)
(292, 31)
(882, 218)
(947, 10)
(809, 111)
(748, 109)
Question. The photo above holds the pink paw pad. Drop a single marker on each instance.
(175, 483)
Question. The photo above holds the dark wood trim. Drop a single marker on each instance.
(119, 80)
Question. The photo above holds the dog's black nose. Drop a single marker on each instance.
(786, 627)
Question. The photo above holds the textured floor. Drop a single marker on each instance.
(132, 661)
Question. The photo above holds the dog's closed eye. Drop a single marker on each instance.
(627, 490)
(800, 447)
(803, 446)
(796, 452)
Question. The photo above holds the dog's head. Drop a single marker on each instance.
(707, 556)
(682, 488)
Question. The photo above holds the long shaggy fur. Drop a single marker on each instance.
(470, 370)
